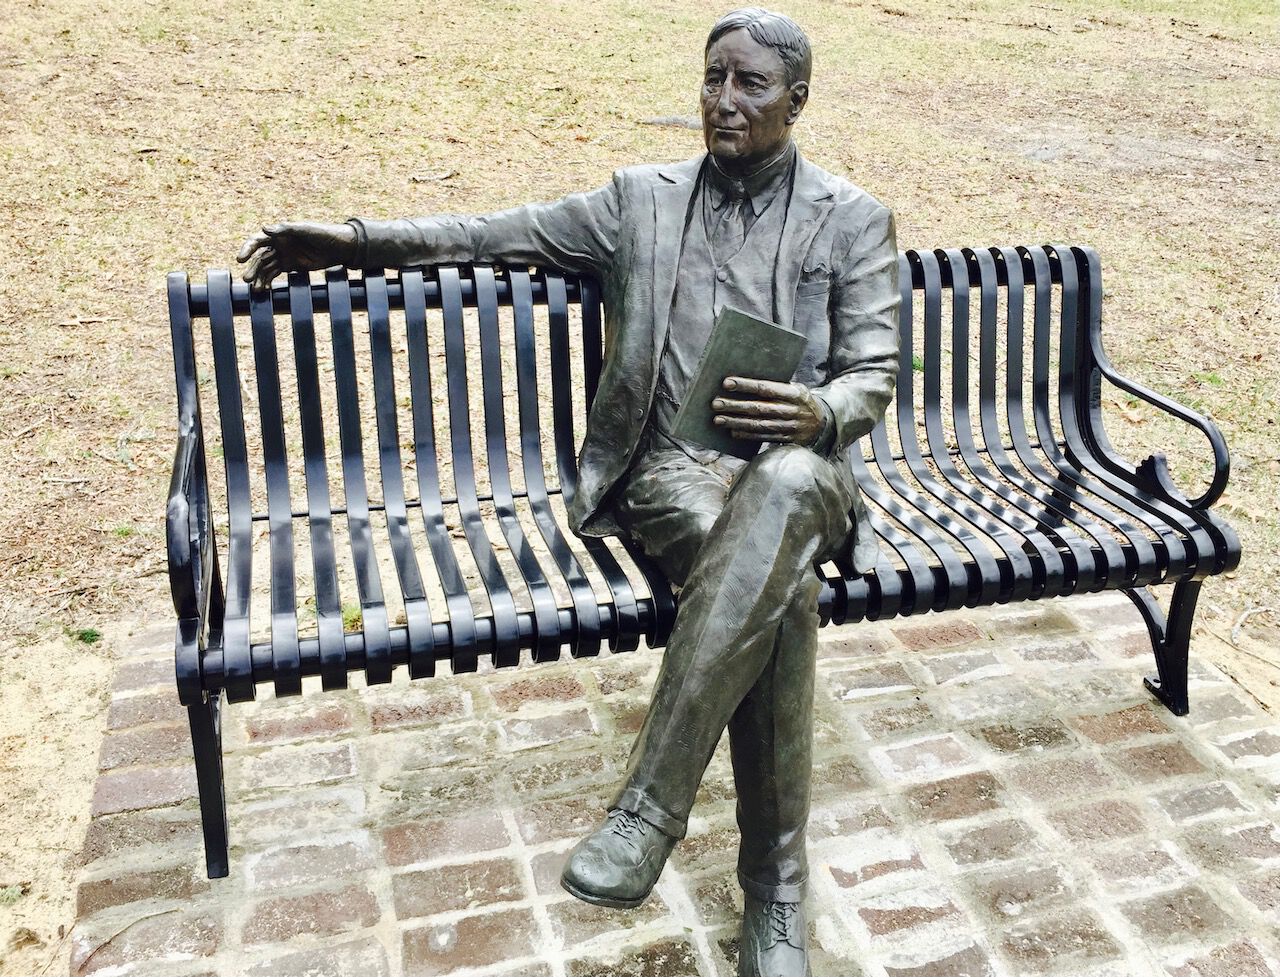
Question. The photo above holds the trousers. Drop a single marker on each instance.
(741, 542)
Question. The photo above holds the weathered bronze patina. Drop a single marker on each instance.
(752, 225)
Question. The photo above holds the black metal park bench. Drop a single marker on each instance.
(991, 481)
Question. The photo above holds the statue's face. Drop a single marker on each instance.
(747, 106)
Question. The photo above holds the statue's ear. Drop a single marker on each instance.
(799, 96)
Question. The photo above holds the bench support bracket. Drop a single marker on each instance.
(1170, 638)
(206, 744)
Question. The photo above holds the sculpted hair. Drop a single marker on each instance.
(776, 31)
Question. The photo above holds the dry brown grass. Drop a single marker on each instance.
(140, 138)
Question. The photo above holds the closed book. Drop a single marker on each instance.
(740, 346)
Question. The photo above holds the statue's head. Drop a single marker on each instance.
(755, 85)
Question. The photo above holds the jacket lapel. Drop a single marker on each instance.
(671, 196)
(811, 201)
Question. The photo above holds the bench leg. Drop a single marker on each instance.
(206, 744)
(1170, 638)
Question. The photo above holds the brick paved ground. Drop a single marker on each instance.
(994, 794)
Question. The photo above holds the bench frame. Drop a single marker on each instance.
(1038, 519)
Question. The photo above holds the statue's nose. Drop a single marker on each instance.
(727, 105)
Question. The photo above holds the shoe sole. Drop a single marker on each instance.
(598, 900)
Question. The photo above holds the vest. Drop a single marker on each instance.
(743, 281)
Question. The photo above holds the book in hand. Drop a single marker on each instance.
(740, 346)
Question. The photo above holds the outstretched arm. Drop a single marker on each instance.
(578, 233)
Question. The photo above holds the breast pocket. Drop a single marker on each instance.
(811, 287)
(812, 317)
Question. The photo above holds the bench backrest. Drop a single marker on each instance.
(396, 449)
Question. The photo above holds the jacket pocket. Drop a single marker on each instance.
(816, 286)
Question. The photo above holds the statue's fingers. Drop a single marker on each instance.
(756, 427)
(253, 244)
(259, 258)
(268, 271)
(768, 389)
(756, 408)
(775, 438)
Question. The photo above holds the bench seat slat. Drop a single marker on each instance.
(498, 591)
(1078, 563)
(418, 626)
(286, 661)
(532, 466)
(1040, 542)
(237, 663)
(1059, 505)
(1017, 581)
(333, 655)
(373, 610)
(460, 632)
(536, 582)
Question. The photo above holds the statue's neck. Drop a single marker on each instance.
(744, 171)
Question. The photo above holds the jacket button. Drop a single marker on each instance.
(722, 275)
(639, 412)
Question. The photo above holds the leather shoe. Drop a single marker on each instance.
(775, 940)
(618, 864)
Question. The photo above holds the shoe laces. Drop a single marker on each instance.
(782, 918)
(628, 825)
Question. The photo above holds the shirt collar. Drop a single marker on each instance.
(759, 187)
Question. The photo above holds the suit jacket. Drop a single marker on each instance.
(835, 281)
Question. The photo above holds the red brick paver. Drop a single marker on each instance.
(994, 796)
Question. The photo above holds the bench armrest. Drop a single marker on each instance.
(1155, 470)
(187, 527)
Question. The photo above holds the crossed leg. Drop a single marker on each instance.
(742, 652)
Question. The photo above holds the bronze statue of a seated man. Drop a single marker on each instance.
(751, 225)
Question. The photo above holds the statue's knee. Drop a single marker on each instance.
(787, 468)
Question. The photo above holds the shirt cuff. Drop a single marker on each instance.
(827, 433)
(361, 259)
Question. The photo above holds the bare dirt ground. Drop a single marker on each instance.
(138, 138)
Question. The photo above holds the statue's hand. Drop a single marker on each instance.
(295, 247)
(780, 412)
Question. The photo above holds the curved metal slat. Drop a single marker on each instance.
(589, 631)
(237, 665)
(535, 482)
(546, 618)
(506, 648)
(373, 608)
(462, 620)
(628, 628)
(916, 588)
(1018, 513)
(981, 573)
(333, 657)
(1160, 518)
(1001, 578)
(285, 656)
(422, 650)
(1069, 483)
(1087, 415)
(1089, 571)
(189, 574)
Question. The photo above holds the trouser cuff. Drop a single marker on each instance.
(638, 802)
(773, 891)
